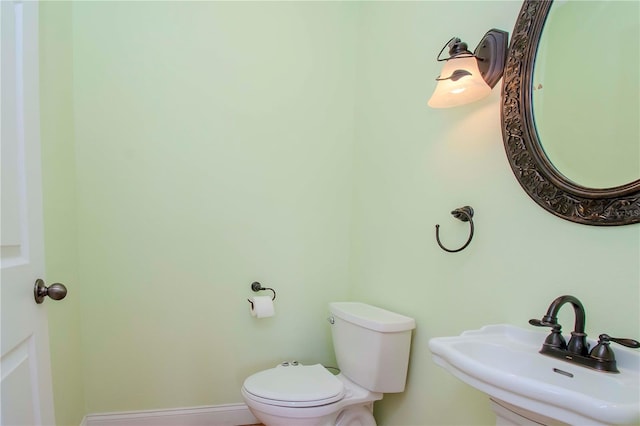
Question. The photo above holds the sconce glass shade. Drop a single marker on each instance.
(459, 83)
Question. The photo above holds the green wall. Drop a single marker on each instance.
(213, 149)
(60, 208)
(413, 165)
(213, 144)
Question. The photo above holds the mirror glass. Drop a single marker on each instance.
(585, 87)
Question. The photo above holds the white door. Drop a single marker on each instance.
(26, 392)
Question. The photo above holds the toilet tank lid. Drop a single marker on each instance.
(371, 317)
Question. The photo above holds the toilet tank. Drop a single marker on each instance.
(371, 345)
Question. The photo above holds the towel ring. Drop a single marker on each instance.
(256, 287)
(464, 214)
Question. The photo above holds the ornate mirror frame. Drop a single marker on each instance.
(533, 170)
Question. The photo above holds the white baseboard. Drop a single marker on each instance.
(215, 415)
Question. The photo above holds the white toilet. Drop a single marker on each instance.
(372, 350)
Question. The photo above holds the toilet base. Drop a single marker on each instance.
(269, 419)
(360, 415)
(355, 409)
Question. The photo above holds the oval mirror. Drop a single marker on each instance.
(570, 126)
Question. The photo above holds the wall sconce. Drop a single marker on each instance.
(467, 77)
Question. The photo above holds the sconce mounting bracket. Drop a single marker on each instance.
(491, 53)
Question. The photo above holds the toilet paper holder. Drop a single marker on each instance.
(256, 287)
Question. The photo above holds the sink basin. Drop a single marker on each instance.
(503, 361)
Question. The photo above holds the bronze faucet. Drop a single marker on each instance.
(601, 358)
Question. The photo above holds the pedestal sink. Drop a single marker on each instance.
(524, 386)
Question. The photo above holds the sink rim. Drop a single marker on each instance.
(537, 395)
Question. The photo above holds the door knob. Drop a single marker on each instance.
(55, 291)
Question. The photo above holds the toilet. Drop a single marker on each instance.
(372, 351)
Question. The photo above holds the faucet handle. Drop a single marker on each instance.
(542, 323)
(555, 339)
(630, 343)
(602, 352)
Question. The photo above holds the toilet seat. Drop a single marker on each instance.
(294, 386)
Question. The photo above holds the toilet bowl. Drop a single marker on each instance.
(372, 351)
(301, 395)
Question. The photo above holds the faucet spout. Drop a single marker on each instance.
(578, 341)
(578, 309)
